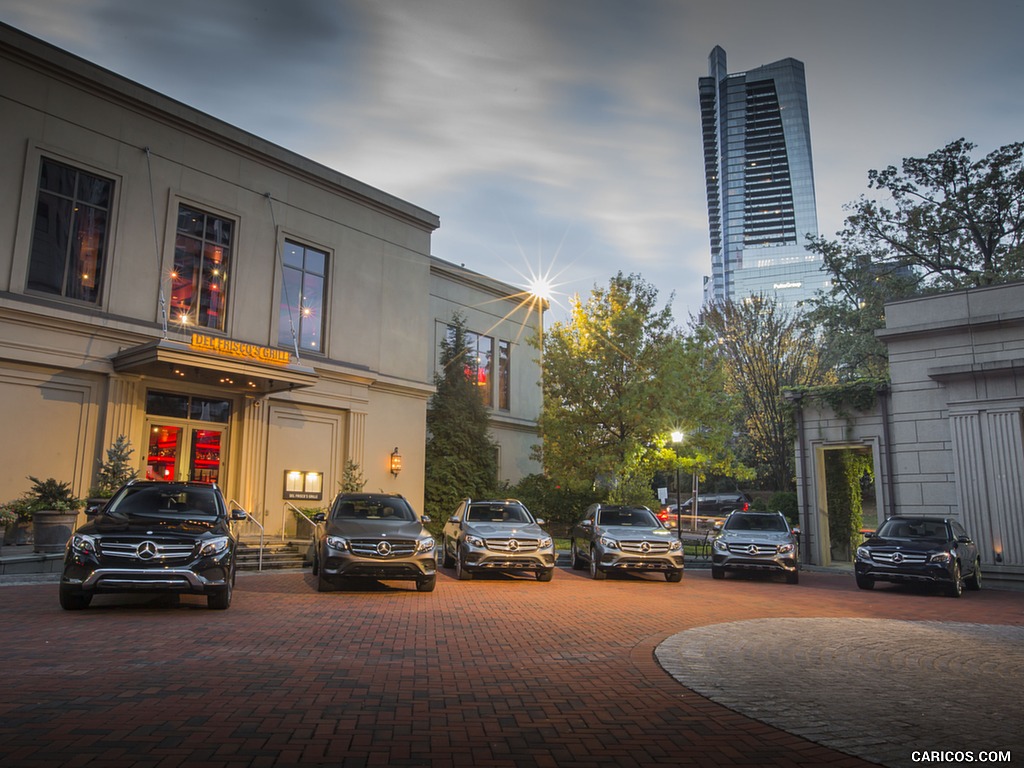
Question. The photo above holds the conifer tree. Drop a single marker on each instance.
(461, 456)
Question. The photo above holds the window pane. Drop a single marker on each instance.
(167, 404)
(211, 410)
(69, 238)
(288, 314)
(202, 263)
(293, 255)
(302, 297)
(504, 374)
(186, 265)
(311, 312)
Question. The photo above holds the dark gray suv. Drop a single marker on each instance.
(756, 541)
(376, 536)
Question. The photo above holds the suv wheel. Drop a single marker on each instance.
(74, 601)
(461, 572)
(793, 577)
(546, 574)
(221, 599)
(717, 572)
(673, 577)
(973, 582)
(322, 584)
(577, 561)
(427, 584)
(595, 572)
(447, 561)
(865, 582)
(957, 587)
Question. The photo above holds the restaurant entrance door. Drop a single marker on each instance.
(186, 437)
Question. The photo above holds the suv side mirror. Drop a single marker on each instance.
(540, 521)
(239, 514)
(319, 517)
(425, 519)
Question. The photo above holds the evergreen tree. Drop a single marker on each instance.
(461, 456)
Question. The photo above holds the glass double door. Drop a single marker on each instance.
(184, 452)
(187, 436)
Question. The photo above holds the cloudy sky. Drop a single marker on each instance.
(561, 136)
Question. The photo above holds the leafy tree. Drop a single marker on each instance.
(461, 456)
(617, 378)
(765, 350)
(942, 222)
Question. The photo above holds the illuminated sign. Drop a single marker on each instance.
(780, 286)
(230, 348)
(302, 484)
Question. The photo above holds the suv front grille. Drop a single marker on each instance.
(384, 549)
(506, 545)
(148, 550)
(754, 550)
(645, 547)
(911, 558)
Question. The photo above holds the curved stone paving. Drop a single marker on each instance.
(875, 688)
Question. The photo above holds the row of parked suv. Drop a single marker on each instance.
(177, 537)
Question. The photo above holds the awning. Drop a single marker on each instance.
(232, 366)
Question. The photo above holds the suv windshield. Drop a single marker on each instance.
(641, 518)
(744, 522)
(913, 529)
(171, 501)
(372, 509)
(497, 513)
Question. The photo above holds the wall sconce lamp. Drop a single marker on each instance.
(396, 462)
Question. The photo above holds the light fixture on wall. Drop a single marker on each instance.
(396, 462)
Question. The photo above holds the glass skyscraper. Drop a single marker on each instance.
(760, 182)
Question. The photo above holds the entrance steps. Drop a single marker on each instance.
(276, 555)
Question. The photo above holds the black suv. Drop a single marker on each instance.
(154, 537)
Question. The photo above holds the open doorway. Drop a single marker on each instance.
(850, 499)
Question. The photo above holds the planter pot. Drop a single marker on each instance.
(52, 529)
(19, 534)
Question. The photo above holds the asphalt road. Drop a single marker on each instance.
(505, 671)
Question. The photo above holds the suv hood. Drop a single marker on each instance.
(411, 529)
(151, 526)
(634, 532)
(505, 529)
(757, 537)
(907, 545)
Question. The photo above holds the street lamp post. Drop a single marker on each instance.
(677, 439)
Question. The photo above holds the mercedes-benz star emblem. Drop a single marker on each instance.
(897, 557)
(645, 546)
(147, 550)
(752, 549)
(384, 548)
(513, 545)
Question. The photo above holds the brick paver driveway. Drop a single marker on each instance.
(494, 672)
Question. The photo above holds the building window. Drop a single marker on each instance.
(480, 364)
(69, 241)
(302, 297)
(202, 260)
(504, 374)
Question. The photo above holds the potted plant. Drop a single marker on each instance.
(7, 517)
(18, 516)
(54, 513)
(112, 473)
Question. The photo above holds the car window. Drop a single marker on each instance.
(641, 518)
(913, 529)
(497, 513)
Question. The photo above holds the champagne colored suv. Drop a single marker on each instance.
(756, 541)
(622, 538)
(496, 536)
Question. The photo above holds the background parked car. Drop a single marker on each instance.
(756, 541)
(624, 538)
(929, 550)
(373, 535)
(708, 505)
(497, 535)
(154, 537)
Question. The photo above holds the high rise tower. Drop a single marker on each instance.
(760, 182)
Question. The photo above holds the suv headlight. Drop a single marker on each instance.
(863, 553)
(544, 543)
(940, 557)
(609, 543)
(83, 545)
(474, 541)
(425, 544)
(674, 545)
(337, 542)
(785, 549)
(214, 546)
(719, 546)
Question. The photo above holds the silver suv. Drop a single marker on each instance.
(373, 535)
(622, 538)
(756, 541)
(496, 536)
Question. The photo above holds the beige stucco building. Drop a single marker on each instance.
(241, 313)
(946, 437)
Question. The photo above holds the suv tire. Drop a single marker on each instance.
(221, 599)
(461, 572)
(447, 561)
(546, 574)
(673, 577)
(793, 578)
(595, 570)
(427, 584)
(74, 601)
(577, 561)
(717, 573)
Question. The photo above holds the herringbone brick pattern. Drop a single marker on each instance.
(497, 672)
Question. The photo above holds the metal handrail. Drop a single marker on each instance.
(301, 514)
(258, 525)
